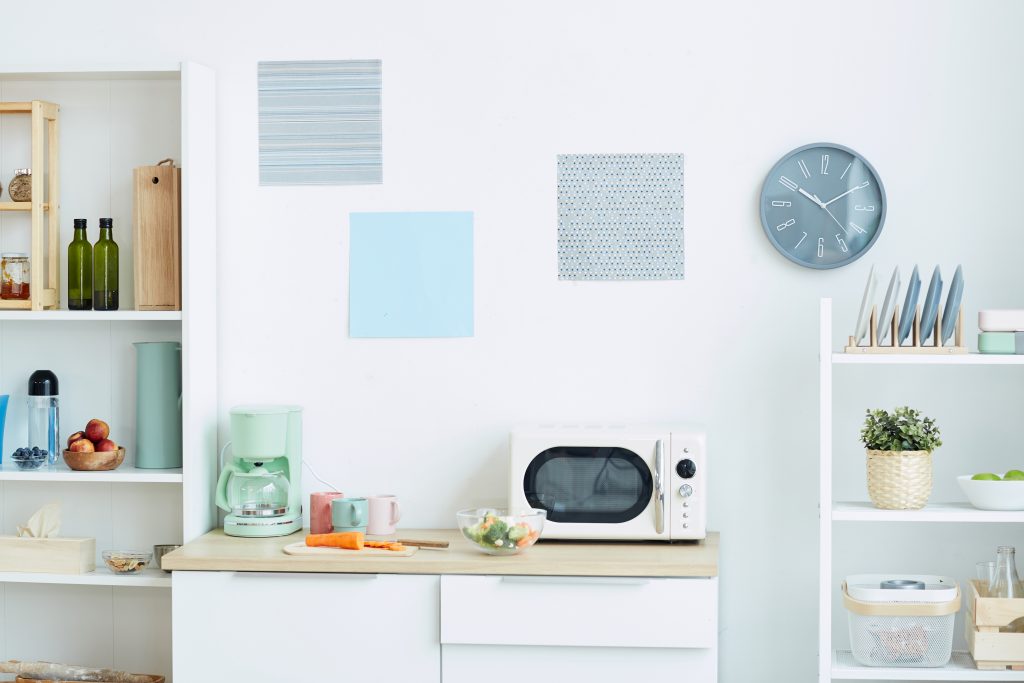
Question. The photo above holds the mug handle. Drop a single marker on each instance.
(357, 515)
(396, 512)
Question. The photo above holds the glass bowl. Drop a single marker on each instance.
(126, 561)
(29, 460)
(501, 532)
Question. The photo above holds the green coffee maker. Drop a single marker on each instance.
(259, 485)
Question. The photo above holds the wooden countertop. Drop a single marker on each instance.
(216, 551)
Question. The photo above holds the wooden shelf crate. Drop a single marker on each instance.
(44, 256)
(992, 650)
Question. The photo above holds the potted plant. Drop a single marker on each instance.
(899, 449)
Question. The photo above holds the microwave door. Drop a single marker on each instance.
(599, 491)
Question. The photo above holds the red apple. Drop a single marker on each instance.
(106, 445)
(75, 437)
(82, 446)
(97, 430)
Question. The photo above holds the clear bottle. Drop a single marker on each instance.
(80, 269)
(44, 413)
(104, 269)
(1006, 583)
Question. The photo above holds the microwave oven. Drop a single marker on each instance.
(612, 482)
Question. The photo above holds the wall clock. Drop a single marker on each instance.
(822, 206)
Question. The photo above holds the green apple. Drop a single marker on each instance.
(986, 476)
(1014, 475)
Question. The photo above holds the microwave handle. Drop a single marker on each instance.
(659, 488)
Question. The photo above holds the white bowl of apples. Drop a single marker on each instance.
(92, 450)
(988, 491)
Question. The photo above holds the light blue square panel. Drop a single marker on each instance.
(620, 217)
(411, 274)
(320, 122)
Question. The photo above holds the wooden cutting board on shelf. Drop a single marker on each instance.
(301, 548)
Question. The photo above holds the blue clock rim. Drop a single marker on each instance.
(764, 216)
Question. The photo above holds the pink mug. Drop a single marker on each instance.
(320, 511)
(384, 514)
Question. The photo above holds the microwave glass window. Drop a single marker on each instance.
(588, 484)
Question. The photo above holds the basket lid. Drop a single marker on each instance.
(868, 588)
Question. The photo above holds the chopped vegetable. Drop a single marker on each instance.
(348, 540)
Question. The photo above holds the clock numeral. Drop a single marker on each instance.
(821, 247)
(862, 207)
(803, 168)
(782, 226)
(824, 164)
(857, 228)
(778, 203)
(801, 240)
(842, 243)
(788, 183)
(846, 171)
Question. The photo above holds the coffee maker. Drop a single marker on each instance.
(259, 485)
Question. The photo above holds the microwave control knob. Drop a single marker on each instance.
(686, 468)
(685, 490)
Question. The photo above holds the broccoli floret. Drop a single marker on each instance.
(497, 530)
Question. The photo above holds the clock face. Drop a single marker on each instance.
(822, 206)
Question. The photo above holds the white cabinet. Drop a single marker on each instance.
(256, 627)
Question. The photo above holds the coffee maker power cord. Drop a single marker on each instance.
(318, 477)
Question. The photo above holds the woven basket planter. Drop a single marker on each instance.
(899, 480)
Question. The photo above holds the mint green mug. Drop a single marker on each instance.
(349, 514)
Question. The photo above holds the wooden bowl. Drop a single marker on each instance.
(19, 679)
(97, 461)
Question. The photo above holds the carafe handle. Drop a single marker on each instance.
(222, 485)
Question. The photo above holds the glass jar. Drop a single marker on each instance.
(20, 188)
(14, 275)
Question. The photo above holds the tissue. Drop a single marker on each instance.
(45, 523)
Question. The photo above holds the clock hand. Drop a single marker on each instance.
(845, 231)
(812, 197)
(862, 185)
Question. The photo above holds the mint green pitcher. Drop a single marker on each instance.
(157, 405)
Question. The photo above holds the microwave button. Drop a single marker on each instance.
(685, 491)
(686, 468)
(685, 525)
(686, 505)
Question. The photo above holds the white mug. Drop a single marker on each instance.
(384, 514)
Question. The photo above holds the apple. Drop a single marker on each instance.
(986, 476)
(75, 437)
(82, 446)
(97, 430)
(1013, 475)
(106, 445)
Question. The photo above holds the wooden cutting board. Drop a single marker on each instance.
(302, 549)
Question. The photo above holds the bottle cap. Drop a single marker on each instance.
(23, 171)
(80, 223)
(42, 383)
(14, 254)
(106, 222)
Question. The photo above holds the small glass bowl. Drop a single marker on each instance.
(501, 532)
(126, 561)
(29, 461)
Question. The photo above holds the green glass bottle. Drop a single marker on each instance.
(80, 270)
(104, 269)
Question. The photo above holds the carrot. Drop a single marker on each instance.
(386, 545)
(348, 540)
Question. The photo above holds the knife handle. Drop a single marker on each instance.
(424, 544)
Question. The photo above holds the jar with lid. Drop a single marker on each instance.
(14, 276)
(20, 187)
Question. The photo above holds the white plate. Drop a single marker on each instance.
(865, 307)
(889, 306)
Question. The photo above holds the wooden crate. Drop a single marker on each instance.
(156, 238)
(47, 555)
(991, 649)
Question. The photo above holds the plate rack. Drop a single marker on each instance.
(917, 346)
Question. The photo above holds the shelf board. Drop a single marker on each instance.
(926, 359)
(960, 668)
(91, 316)
(21, 206)
(150, 578)
(857, 511)
(60, 472)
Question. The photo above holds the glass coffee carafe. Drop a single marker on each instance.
(258, 492)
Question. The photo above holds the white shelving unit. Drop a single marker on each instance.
(835, 664)
(112, 121)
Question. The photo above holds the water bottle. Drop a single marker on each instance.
(44, 413)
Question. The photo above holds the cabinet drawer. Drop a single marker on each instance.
(579, 611)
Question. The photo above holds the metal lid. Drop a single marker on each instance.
(23, 171)
(14, 254)
(902, 585)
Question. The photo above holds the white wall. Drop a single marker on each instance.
(478, 100)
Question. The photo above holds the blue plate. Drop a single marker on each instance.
(909, 305)
(952, 309)
(930, 310)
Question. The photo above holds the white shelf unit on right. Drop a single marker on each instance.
(838, 664)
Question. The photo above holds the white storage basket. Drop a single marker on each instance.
(892, 627)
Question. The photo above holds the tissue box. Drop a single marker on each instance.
(47, 555)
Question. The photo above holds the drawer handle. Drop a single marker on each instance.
(304, 575)
(579, 580)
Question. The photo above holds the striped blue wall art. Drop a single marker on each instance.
(320, 122)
